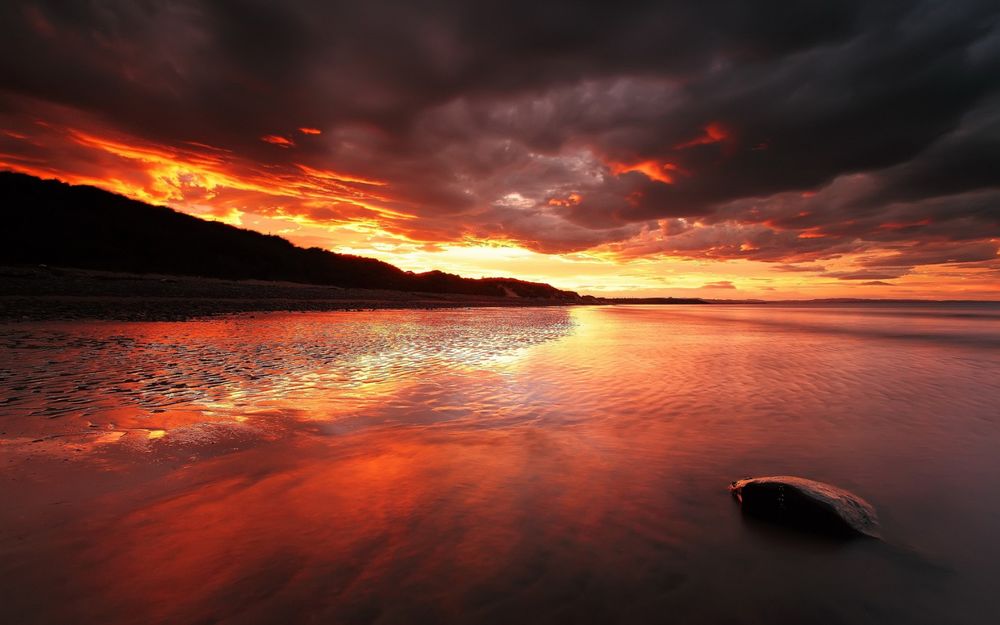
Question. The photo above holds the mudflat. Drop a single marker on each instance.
(48, 293)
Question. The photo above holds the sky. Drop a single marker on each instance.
(759, 149)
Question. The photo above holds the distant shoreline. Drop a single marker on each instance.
(63, 294)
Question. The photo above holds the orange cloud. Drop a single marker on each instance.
(811, 234)
(310, 131)
(205, 180)
(651, 169)
(902, 225)
(278, 140)
(570, 200)
(713, 133)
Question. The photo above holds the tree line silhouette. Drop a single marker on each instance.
(54, 223)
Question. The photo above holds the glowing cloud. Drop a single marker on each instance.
(714, 133)
(278, 140)
(660, 172)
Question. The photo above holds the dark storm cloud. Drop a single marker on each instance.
(937, 254)
(792, 130)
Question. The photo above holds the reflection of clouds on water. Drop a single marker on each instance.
(972, 324)
(69, 383)
(570, 465)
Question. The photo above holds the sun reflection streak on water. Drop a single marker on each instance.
(181, 378)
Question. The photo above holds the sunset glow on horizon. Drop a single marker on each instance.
(696, 177)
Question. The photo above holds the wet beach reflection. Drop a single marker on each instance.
(491, 466)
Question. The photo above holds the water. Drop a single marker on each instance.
(555, 465)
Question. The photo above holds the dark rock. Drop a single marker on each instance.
(806, 504)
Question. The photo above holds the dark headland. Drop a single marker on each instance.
(80, 252)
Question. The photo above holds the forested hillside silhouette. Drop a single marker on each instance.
(54, 223)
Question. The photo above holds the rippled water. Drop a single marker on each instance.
(555, 465)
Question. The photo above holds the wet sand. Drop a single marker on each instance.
(47, 293)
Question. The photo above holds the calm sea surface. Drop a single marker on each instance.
(554, 465)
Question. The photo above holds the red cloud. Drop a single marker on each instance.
(651, 169)
(714, 133)
(278, 140)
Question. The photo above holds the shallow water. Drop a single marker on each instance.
(549, 465)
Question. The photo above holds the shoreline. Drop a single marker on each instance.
(39, 293)
(59, 294)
